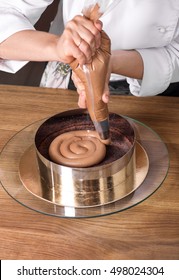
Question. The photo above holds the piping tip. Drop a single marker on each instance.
(102, 127)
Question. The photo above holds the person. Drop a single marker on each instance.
(145, 46)
(20, 42)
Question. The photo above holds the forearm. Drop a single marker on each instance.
(80, 39)
(30, 45)
(127, 63)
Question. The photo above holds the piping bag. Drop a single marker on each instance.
(93, 76)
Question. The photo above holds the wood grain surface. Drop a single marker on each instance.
(149, 230)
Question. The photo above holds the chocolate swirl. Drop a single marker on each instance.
(81, 148)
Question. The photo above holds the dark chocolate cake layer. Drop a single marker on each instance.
(122, 133)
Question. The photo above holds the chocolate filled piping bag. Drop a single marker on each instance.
(93, 76)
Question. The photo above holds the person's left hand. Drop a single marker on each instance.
(81, 90)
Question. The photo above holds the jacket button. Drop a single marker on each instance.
(162, 29)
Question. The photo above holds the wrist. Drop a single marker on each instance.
(127, 63)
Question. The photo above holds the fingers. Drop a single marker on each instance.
(106, 93)
(105, 97)
(80, 89)
(85, 38)
(78, 83)
(98, 24)
(82, 95)
(82, 100)
(87, 30)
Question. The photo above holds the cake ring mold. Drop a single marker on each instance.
(110, 179)
(121, 180)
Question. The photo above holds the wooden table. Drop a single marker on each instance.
(149, 230)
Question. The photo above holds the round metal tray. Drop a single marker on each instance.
(152, 163)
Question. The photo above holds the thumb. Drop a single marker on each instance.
(106, 93)
(98, 24)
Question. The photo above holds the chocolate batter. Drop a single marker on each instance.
(80, 148)
(122, 133)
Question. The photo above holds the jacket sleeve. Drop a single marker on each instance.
(16, 16)
(161, 67)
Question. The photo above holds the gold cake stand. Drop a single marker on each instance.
(152, 163)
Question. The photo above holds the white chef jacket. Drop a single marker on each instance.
(17, 15)
(149, 26)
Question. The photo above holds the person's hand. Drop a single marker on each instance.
(102, 58)
(81, 90)
(79, 40)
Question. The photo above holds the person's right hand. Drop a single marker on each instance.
(79, 40)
